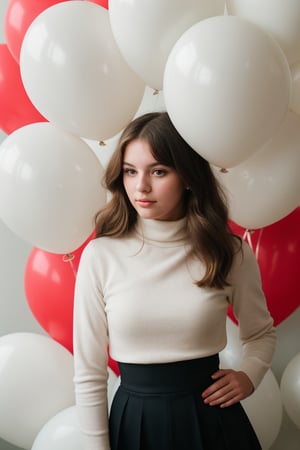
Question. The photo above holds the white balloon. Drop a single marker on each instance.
(290, 389)
(289, 435)
(74, 73)
(230, 356)
(36, 382)
(280, 18)
(266, 187)
(264, 406)
(264, 409)
(227, 88)
(62, 431)
(288, 338)
(112, 386)
(145, 31)
(50, 187)
(152, 101)
(295, 98)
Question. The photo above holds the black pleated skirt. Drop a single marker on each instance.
(159, 407)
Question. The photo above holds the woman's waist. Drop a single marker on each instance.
(178, 376)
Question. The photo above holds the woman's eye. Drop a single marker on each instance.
(130, 172)
(159, 172)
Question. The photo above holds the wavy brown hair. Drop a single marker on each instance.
(205, 203)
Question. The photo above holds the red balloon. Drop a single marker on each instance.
(18, 16)
(49, 288)
(113, 365)
(16, 109)
(49, 282)
(103, 3)
(277, 249)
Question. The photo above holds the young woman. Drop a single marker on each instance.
(155, 286)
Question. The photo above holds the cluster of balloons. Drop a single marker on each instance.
(76, 71)
(36, 384)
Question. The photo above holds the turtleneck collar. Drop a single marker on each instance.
(162, 233)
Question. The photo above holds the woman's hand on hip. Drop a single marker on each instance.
(230, 387)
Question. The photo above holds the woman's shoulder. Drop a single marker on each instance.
(108, 245)
(102, 242)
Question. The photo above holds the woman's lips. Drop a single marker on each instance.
(144, 203)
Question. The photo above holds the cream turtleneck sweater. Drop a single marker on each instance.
(137, 295)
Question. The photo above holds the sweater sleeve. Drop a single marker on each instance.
(90, 354)
(256, 329)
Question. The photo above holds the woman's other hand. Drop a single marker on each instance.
(230, 387)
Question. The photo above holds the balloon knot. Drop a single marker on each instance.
(155, 92)
(223, 170)
(102, 143)
(68, 257)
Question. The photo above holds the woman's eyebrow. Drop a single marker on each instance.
(125, 163)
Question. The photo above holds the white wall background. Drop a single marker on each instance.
(15, 315)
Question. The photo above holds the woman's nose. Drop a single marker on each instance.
(143, 184)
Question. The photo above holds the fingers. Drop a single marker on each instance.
(223, 398)
(230, 387)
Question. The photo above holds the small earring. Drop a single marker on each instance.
(187, 188)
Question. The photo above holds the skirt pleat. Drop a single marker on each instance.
(159, 407)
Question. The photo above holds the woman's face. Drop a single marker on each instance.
(154, 190)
